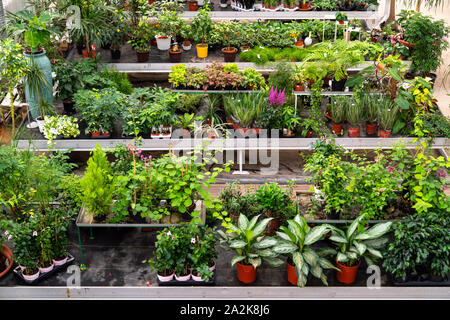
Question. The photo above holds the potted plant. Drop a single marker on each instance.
(193, 5)
(298, 77)
(69, 80)
(164, 256)
(6, 255)
(309, 126)
(356, 242)
(186, 123)
(341, 17)
(354, 115)
(99, 109)
(275, 202)
(295, 241)
(386, 115)
(338, 108)
(36, 32)
(140, 41)
(201, 28)
(252, 79)
(175, 53)
(118, 33)
(169, 24)
(251, 248)
(230, 36)
(290, 4)
(14, 68)
(60, 126)
(370, 104)
(417, 254)
(97, 185)
(203, 254)
(186, 33)
(291, 121)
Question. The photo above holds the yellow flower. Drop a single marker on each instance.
(116, 10)
(118, 30)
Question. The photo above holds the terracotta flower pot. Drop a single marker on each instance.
(7, 254)
(299, 43)
(337, 128)
(229, 55)
(347, 275)
(384, 134)
(292, 275)
(371, 129)
(353, 132)
(246, 273)
(193, 5)
(299, 87)
(96, 133)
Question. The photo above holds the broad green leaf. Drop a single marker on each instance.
(284, 247)
(378, 230)
(324, 263)
(376, 243)
(296, 229)
(315, 234)
(360, 247)
(256, 262)
(261, 226)
(323, 252)
(316, 271)
(375, 252)
(354, 225)
(237, 259)
(310, 257)
(267, 253)
(302, 222)
(242, 222)
(237, 244)
(338, 239)
(252, 222)
(273, 261)
(342, 257)
(292, 237)
(265, 243)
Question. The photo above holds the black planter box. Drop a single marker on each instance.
(190, 282)
(56, 269)
(420, 283)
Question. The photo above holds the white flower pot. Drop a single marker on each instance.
(48, 269)
(31, 277)
(165, 279)
(163, 43)
(40, 125)
(183, 278)
(60, 262)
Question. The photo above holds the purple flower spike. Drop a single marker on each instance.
(441, 174)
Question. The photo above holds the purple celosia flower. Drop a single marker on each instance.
(276, 98)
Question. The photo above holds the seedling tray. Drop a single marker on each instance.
(190, 282)
(56, 269)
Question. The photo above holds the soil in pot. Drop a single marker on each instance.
(347, 274)
(246, 273)
(142, 56)
(229, 54)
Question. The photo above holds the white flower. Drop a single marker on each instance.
(168, 233)
(406, 85)
(54, 131)
(193, 240)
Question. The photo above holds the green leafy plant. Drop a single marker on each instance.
(202, 25)
(296, 241)
(341, 16)
(186, 121)
(274, 201)
(338, 109)
(63, 126)
(420, 245)
(358, 241)
(354, 113)
(250, 247)
(98, 184)
(386, 114)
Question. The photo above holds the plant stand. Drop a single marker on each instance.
(241, 160)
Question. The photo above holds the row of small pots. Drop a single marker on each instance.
(42, 271)
(347, 274)
(354, 132)
(187, 277)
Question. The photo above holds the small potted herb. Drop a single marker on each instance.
(338, 107)
(370, 103)
(386, 115)
(341, 17)
(140, 41)
(186, 123)
(354, 115)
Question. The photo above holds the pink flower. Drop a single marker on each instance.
(441, 174)
(193, 240)
(9, 237)
(34, 233)
(444, 187)
(275, 97)
(391, 169)
(376, 160)
(444, 38)
(6, 232)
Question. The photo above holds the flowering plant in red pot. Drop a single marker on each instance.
(251, 248)
(355, 242)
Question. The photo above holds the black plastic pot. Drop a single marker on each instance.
(333, 216)
(80, 47)
(68, 107)
(175, 56)
(229, 56)
(338, 85)
(142, 56)
(115, 54)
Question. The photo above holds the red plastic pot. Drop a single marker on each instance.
(299, 87)
(299, 43)
(292, 275)
(96, 134)
(309, 133)
(347, 275)
(337, 128)
(353, 132)
(371, 129)
(193, 5)
(246, 273)
(341, 22)
(384, 134)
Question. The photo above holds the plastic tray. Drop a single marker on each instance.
(56, 269)
(190, 282)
